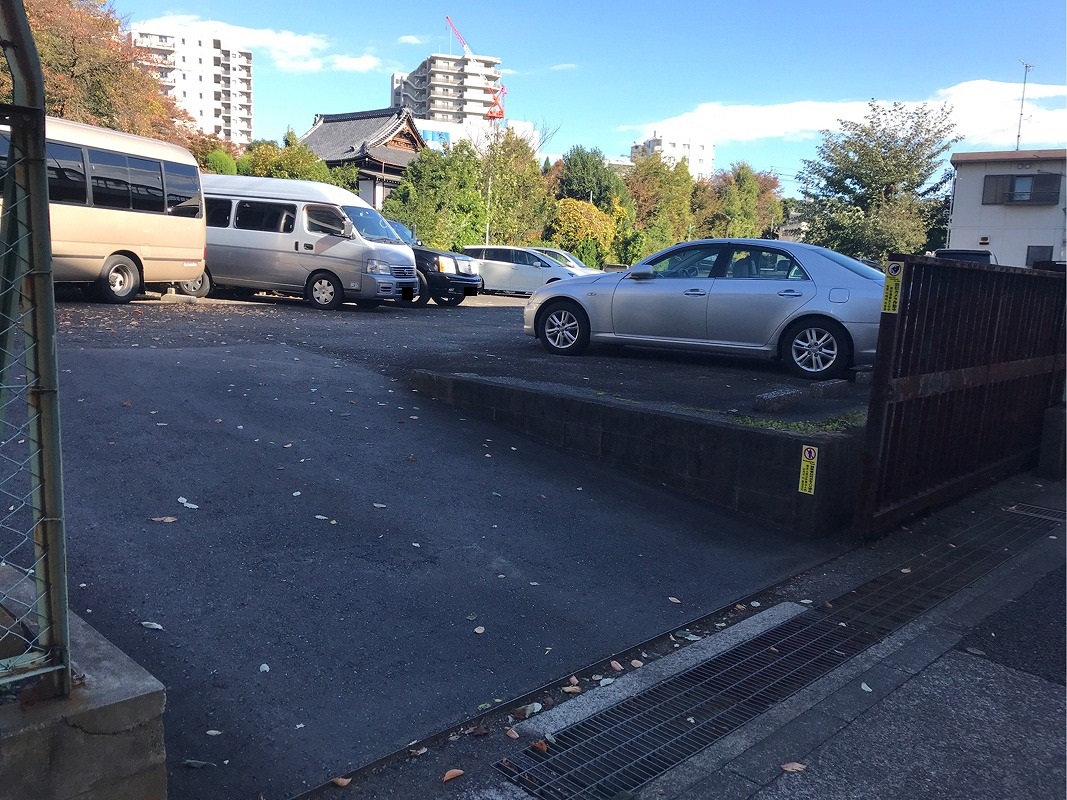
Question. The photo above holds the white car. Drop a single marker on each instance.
(516, 269)
(567, 259)
(816, 310)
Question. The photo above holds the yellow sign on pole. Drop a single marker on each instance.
(809, 465)
(891, 294)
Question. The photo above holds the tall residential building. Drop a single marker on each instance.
(447, 88)
(209, 78)
(674, 145)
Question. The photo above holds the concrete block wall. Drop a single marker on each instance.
(753, 471)
(104, 742)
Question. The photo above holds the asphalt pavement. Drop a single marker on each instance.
(365, 569)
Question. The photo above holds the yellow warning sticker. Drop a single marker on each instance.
(891, 294)
(809, 464)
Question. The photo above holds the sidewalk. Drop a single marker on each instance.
(964, 701)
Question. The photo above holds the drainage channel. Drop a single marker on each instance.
(623, 747)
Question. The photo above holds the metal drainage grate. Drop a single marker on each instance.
(1040, 512)
(624, 747)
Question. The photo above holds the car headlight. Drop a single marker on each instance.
(376, 267)
(468, 266)
(447, 264)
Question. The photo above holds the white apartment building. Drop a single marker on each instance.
(1011, 203)
(451, 89)
(673, 146)
(209, 78)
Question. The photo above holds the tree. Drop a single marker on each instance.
(585, 176)
(220, 162)
(662, 195)
(440, 197)
(293, 160)
(518, 203)
(92, 73)
(584, 230)
(875, 187)
(738, 202)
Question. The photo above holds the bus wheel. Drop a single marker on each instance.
(324, 290)
(200, 287)
(120, 281)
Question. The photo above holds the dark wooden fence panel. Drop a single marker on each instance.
(966, 367)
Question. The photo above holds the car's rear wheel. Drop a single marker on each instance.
(448, 300)
(324, 291)
(816, 348)
(119, 282)
(563, 327)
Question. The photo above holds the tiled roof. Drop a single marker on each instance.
(343, 137)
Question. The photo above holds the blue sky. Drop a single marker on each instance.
(761, 78)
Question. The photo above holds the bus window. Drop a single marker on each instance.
(111, 179)
(218, 212)
(146, 185)
(66, 174)
(183, 189)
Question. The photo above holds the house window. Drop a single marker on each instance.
(1040, 189)
(1038, 252)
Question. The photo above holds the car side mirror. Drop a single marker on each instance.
(349, 231)
(642, 272)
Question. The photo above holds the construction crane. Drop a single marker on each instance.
(496, 108)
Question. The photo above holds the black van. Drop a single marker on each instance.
(445, 277)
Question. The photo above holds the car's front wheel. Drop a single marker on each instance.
(563, 327)
(816, 349)
(200, 287)
(448, 300)
(324, 290)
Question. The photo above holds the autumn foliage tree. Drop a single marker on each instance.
(583, 229)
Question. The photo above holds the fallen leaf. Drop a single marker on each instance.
(481, 729)
(214, 733)
(288, 445)
(527, 711)
(806, 602)
(127, 404)
(472, 616)
(866, 688)
(827, 604)
(155, 626)
(412, 457)
(264, 668)
(975, 651)
(755, 604)
(452, 773)
(541, 745)
(739, 607)
(341, 781)
(164, 519)
(540, 497)
(615, 665)
(194, 764)
(480, 629)
(772, 649)
(573, 681)
(320, 516)
(636, 663)
(511, 733)
(607, 681)
(674, 599)
(794, 766)
(572, 689)
(596, 677)
(418, 752)
(380, 505)
(906, 570)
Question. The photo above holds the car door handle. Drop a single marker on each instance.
(694, 293)
(309, 246)
(790, 293)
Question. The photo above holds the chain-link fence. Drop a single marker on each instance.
(33, 596)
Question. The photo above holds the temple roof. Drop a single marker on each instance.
(386, 134)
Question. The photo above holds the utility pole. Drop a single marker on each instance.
(1022, 103)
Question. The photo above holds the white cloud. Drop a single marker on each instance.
(561, 67)
(986, 114)
(288, 51)
(408, 39)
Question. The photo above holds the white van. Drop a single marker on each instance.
(303, 238)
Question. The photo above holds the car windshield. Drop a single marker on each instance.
(403, 231)
(852, 265)
(372, 225)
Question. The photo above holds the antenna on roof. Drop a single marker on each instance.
(1022, 103)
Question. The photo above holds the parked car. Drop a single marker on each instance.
(516, 269)
(301, 238)
(973, 256)
(566, 259)
(816, 310)
(445, 277)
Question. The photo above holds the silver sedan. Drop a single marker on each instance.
(816, 310)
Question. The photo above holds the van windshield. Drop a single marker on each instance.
(371, 225)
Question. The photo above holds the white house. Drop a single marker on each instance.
(1011, 203)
